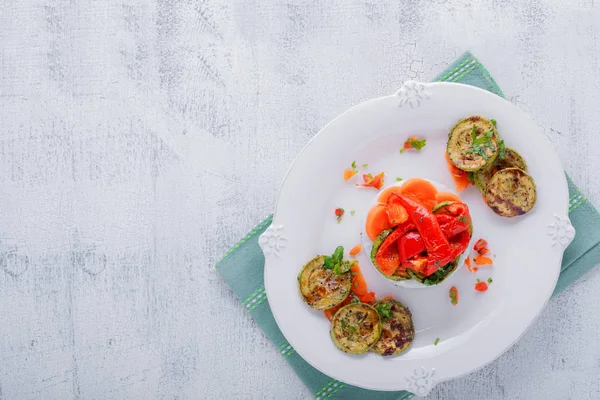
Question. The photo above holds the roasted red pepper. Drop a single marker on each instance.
(387, 257)
(438, 248)
(480, 245)
(410, 245)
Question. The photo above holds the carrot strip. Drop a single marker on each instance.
(460, 177)
(483, 260)
(468, 263)
(359, 284)
(368, 298)
(355, 250)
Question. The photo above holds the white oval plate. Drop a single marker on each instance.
(528, 249)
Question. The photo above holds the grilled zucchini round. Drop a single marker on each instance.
(323, 288)
(512, 159)
(397, 330)
(460, 144)
(511, 192)
(355, 328)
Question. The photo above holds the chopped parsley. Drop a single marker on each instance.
(490, 280)
(348, 327)
(413, 143)
(478, 280)
(398, 179)
(385, 310)
(365, 165)
(463, 219)
(480, 144)
(437, 340)
(502, 148)
(493, 121)
(352, 212)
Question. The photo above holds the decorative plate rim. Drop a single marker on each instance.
(546, 295)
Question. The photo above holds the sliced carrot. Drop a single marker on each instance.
(420, 188)
(445, 196)
(429, 204)
(483, 260)
(460, 177)
(349, 173)
(377, 221)
(385, 195)
(359, 284)
(397, 214)
(355, 250)
(468, 263)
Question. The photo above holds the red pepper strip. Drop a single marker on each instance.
(437, 245)
(459, 243)
(410, 245)
(417, 264)
(480, 245)
(387, 257)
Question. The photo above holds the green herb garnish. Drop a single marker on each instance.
(352, 212)
(417, 144)
(398, 179)
(355, 299)
(335, 259)
(463, 219)
(336, 262)
(478, 280)
(437, 340)
(490, 280)
(353, 165)
(385, 310)
(502, 148)
(365, 165)
(493, 121)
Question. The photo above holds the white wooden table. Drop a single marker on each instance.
(140, 139)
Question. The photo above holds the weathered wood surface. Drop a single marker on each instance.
(139, 139)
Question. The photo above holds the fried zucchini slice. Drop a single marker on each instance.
(397, 329)
(323, 288)
(355, 328)
(511, 192)
(460, 144)
(512, 159)
(399, 275)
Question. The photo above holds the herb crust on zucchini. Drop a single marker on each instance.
(355, 328)
(322, 288)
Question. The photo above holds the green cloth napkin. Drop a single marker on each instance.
(242, 266)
